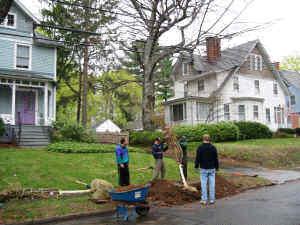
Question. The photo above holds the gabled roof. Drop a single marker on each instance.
(290, 77)
(229, 58)
(108, 126)
(26, 11)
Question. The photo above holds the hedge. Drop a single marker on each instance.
(79, 147)
(286, 130)
(144, 137)
(2, 127)
(224, 131)
(253, 130)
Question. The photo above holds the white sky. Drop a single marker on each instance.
(280, 40)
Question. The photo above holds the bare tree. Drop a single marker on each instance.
(147, 22)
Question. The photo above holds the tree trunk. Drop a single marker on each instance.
(85, 83)
(148, 102)
(79, 98)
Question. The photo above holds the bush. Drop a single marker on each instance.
(2, 127)
(79, 147)
(297, 130)
(71, 131)
(286, 130)
(282, 135)
(219, 132)
(253, 130)
(145, 138)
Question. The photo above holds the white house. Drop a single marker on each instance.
(236, 84)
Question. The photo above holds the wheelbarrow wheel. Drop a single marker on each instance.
(142, 210)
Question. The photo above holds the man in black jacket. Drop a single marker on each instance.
(158, 150)
(207, 158)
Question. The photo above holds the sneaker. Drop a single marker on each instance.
(202, 202)
(211, 202)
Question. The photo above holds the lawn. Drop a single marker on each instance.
(43, 169)
(273, 153)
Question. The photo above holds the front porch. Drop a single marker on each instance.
(27, 102)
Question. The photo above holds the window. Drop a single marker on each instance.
(185, 90)
(255, 112)
(186, 69)
(236, 85)
(278, 115)
(200, 85)
(293, 100)
(256, 85)
(23, 56)
(226, 112)
(275, 88)
(178, 112)
(256, 62)
(202, 111)
(268, 115)
(242, 113)
(9, 21)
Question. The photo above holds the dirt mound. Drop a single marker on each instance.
(167, 193)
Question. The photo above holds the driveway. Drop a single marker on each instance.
(276, 205)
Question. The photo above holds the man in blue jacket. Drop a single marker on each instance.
(158, 150)
(207, 158)
(122, 161)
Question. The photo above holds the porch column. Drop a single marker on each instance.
(54, 102)
(13, 104)
(46, 104)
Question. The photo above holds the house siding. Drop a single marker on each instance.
(296, 92)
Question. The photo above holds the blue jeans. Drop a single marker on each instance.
(208, 175)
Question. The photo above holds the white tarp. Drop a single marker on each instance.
(108, 126)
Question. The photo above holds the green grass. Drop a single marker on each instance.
(274, 153)
(43, 169)
(18, 211)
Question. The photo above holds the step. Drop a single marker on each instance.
(38, 143)
(38, 135)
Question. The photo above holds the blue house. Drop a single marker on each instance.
(27, 78)
(292, 81)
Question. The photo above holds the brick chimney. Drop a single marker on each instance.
(276, 65)
(213, 49)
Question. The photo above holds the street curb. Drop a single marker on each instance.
(64, 218)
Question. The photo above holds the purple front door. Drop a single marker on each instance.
(25, 107)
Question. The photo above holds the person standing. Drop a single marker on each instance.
(207, 158)
(123, 161)
(184, 162)
(158, 150)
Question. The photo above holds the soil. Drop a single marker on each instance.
(168, 193)
(3, 145)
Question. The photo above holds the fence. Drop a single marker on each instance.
(111, 138)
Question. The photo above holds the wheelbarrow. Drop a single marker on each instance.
(131, 203)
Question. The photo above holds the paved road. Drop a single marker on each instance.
(276, 205)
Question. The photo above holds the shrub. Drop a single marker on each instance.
(145, 138)
(71, 131)
(2, 127)
(286, 130)
(253, 130)
(79, 147)
(219, 132)
(278, 134)
(297, 130)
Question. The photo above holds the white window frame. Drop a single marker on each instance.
(257, 87)
(236, 83)
(30, 56)
(188, 68)
(203, 109)
(184, 116)
(255, 112)
(227, 112)
(275, 84)
(5, 21)
(240, 114)
(293, 100)
(202, 86)
(268, 115)
(256, 62)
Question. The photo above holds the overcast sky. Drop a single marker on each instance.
(280, 40)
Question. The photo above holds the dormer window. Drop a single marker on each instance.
(9, 21)
(186, 69)
(256, 62)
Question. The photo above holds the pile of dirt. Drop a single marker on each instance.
(129, 187)
(167, 193)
